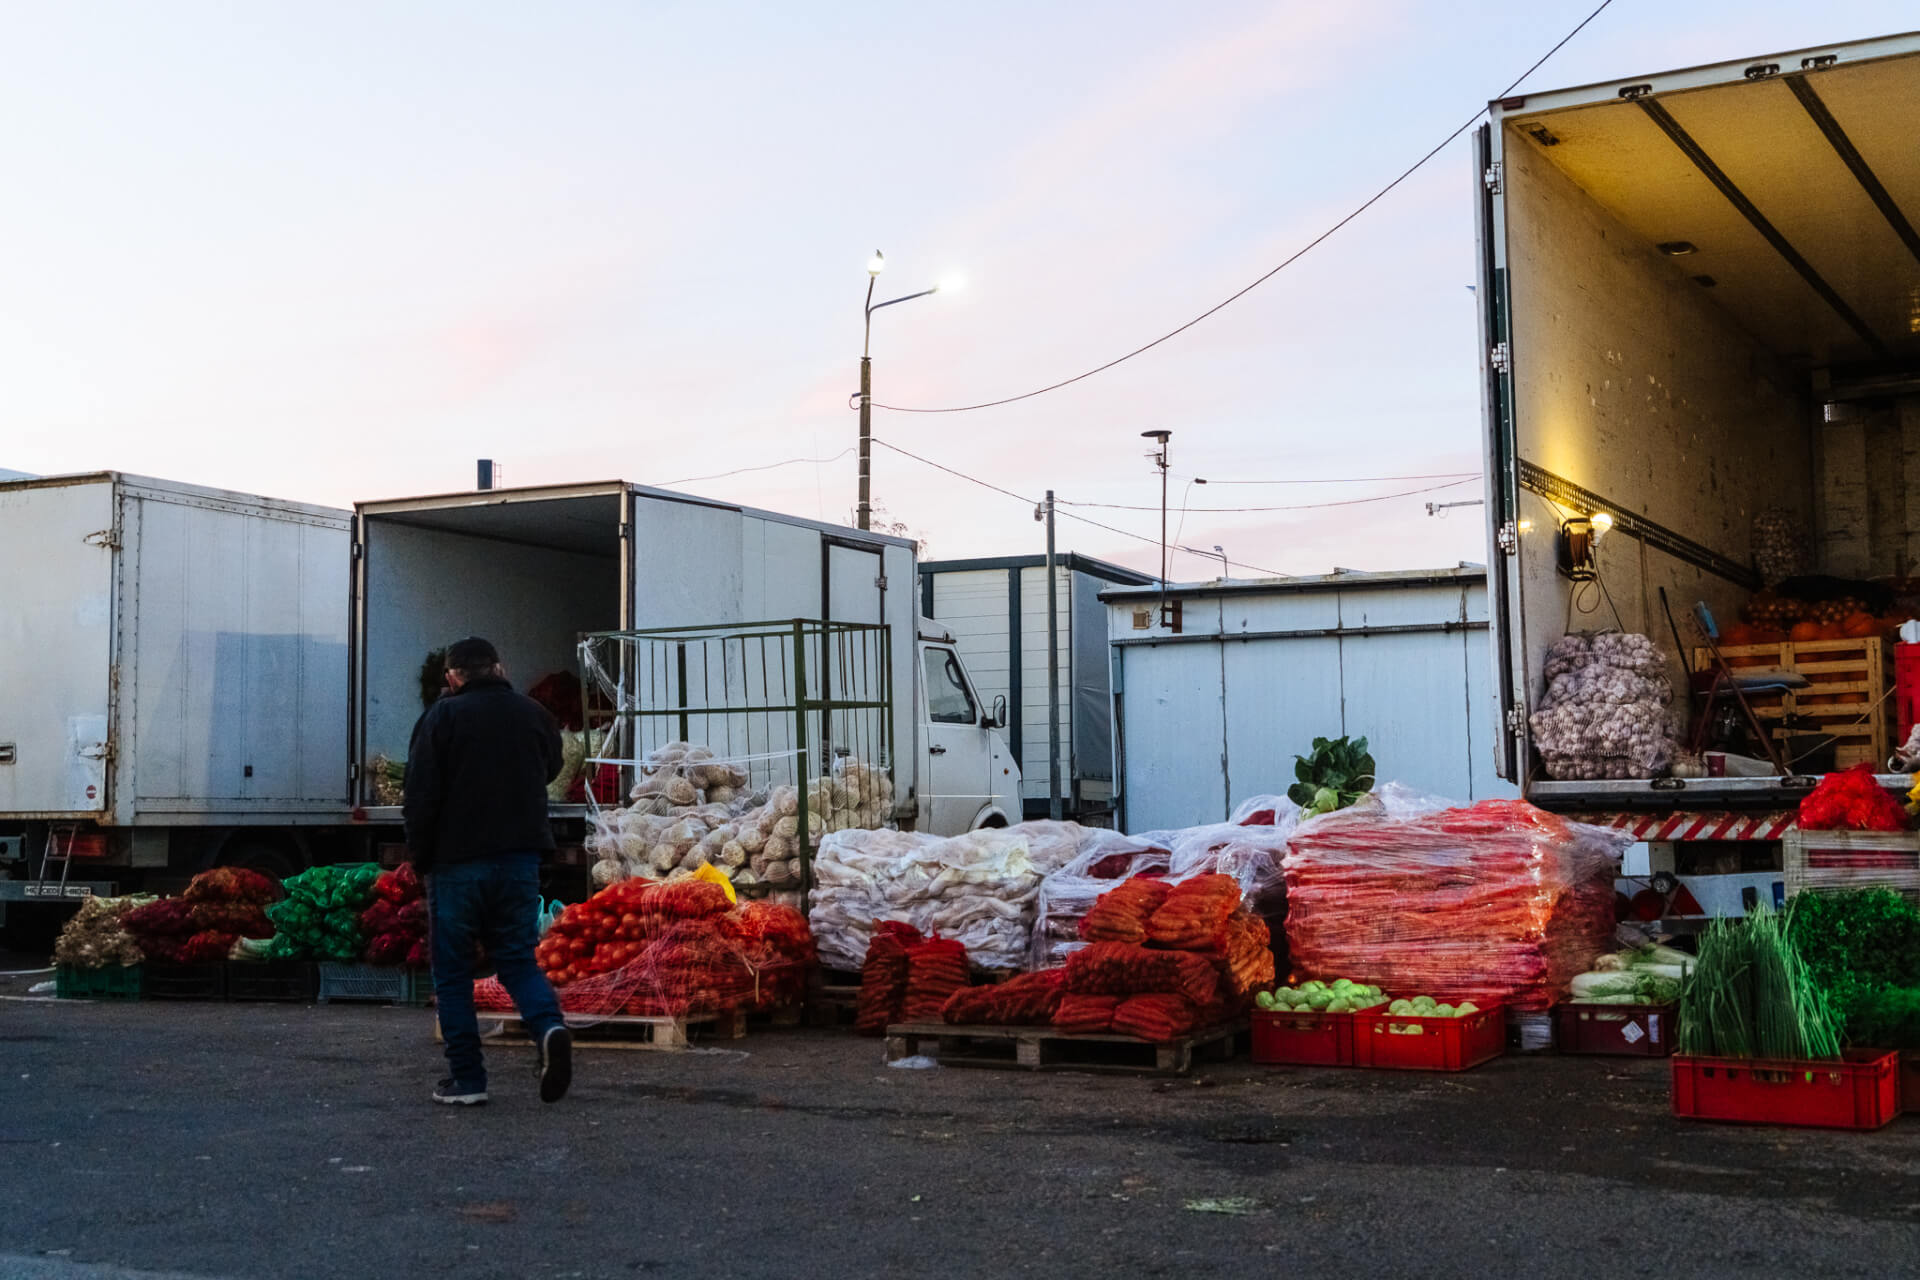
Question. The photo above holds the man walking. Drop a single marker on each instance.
(476, 814)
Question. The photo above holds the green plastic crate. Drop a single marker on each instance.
(383, 984)
(115, 982)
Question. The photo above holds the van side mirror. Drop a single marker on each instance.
(999, 720)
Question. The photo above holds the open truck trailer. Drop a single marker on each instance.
(1700, 301)
(535, 569)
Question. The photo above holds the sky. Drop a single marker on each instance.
(338, 252)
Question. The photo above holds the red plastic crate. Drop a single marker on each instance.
(1303, 1039)
(1906, 688)
(1623, 1030)
(1860, 1091)
(1442, 1044)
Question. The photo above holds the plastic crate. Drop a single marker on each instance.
(185, 981)
(1387, 1040)
(1859, 1091)
(1851, 860)
(1295, 1039)
(288, 981)
(1622, 1030)
(379, 984)
(115, 982)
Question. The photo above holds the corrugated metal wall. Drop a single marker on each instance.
(1216, 714)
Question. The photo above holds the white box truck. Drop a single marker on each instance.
(173, 670)
(535, 569)
(1700, 301)
(996, 610)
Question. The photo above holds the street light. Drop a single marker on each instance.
(1222, 553)
(875, 265)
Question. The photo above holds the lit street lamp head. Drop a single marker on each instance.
(876, 263)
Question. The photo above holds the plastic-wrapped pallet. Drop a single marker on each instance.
(1250, 854)
(1497, 901)
(979, 889)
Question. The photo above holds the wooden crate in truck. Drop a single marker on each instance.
(1848, 695)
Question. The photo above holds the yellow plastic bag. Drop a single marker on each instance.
(708, 871)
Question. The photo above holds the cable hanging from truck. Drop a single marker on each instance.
(1298, 254)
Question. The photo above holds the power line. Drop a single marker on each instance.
(1436, 475)
(1301, 506)
(1125, 533)
(765, 466)
(1310, 246)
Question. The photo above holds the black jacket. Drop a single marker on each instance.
(477, 775)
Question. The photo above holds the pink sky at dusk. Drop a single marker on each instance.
(339, 252)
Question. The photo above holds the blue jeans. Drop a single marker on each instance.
(494, 901)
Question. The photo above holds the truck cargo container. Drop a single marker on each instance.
(535, 569)
(175, 669)
(997, 611)
(1699, 294)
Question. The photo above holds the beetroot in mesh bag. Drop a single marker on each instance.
(206, 947)
(169, 917)
(245, 919)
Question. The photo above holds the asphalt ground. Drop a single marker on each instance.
(258, 1140)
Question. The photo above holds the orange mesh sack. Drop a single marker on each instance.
(883, 978)
(1085, 1015)
(1026, 1001)
(1122, 912)
(1122, 969)
(936, 969)
(1156, 1017)
(1194, 916)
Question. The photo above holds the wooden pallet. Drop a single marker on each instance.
(624, 1031)
(1044, 1049)
(1846, 696)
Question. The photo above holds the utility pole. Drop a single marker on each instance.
(1053, 673)
(1160, 460)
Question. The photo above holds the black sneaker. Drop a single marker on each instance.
(455, 1094)
(556, 1064)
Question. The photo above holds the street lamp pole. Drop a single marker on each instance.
(864, 513)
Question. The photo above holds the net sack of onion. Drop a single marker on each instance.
(96, 937)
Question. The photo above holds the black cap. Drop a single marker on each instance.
(471, 654)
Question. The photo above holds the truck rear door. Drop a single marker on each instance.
(56, 646)
(1508, 712)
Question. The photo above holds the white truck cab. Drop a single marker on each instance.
(970, 777)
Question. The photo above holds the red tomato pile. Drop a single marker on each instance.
(642, 947)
